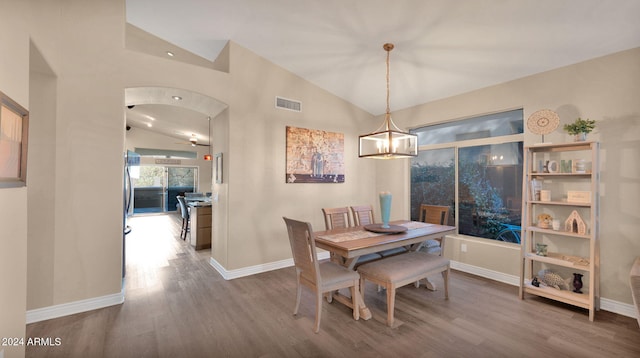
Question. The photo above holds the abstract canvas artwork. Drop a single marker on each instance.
(314, 156)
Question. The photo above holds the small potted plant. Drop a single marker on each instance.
(580, 128)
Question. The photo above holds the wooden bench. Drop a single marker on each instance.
(400, 270)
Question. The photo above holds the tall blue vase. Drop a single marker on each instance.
(385, 208)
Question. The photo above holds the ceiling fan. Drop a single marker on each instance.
(193, 141)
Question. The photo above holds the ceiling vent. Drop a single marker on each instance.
(288, 104)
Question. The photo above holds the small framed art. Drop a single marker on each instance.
(218, 168)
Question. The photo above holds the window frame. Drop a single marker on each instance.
(457, 145)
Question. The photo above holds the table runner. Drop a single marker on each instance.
(363, 234)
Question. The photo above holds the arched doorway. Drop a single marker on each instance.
(176, 122)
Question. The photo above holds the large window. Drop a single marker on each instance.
(474, 166)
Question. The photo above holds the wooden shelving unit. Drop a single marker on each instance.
(568, 251)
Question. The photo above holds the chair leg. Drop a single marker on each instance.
(391, 304)
(318, 310)
(298, 296)
(445, 276)
(183, 230)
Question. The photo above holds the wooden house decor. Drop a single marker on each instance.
(574, 223)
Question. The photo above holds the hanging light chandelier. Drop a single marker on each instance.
(388, 141)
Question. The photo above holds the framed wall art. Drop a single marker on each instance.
(14, 134)
(314, 156)
(218, 168)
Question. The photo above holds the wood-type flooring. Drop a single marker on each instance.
(178, 305)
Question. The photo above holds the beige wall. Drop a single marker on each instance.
(604, 89)
(77, 95)
(256, 194)
(79, 139)
(42, 181)
(14, 82)
(13, 267)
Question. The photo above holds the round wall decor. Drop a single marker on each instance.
(543, 121)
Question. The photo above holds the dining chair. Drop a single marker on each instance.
(434, 214)
(184, 212)
(337, 218)
(320, 277)
(363, 215)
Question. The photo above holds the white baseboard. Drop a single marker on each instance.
(66, 309)
(606, 304)
(483, 272)
(620, 308)
(252, 270)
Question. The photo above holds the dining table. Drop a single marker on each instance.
(347, 244)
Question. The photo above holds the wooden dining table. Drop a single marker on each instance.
(348, 244)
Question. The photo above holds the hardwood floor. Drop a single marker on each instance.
(177, 305)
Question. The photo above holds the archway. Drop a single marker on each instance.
(170, 112)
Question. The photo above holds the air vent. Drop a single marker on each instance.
(288, 104)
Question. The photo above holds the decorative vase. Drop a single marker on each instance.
(580, 137)
(385, 208)
(577, 282)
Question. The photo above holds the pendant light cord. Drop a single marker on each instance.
(388, 47)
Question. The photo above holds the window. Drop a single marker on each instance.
(14, 129)
(474, 166)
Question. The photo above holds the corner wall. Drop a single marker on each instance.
(76, 257)
(604, 89)
(255, 191)
(14, 82)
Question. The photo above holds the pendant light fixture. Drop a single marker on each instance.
(388, 141)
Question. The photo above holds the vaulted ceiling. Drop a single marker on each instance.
(442, 47)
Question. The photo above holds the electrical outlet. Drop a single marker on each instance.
(463, 247)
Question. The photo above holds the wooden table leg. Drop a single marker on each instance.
(365, 313)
